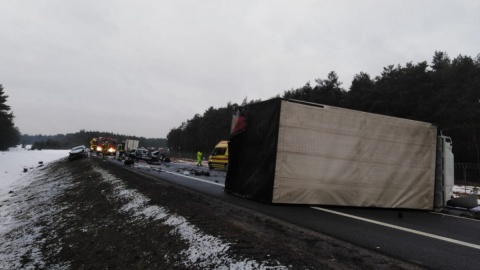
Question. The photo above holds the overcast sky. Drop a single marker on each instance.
(143, 67)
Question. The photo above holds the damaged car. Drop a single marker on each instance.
(77, 152)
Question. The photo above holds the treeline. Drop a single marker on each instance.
(445, 92)
(201, 132)
(70, 140)
(9, 134)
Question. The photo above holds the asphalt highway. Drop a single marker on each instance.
(428, 239)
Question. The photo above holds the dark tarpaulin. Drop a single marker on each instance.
(256, 146)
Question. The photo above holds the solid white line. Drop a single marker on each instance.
(475, 220)
(194, 178)
(401, 228)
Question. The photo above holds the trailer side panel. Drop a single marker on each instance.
(333, 156)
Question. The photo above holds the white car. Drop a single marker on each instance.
(139, 153)
(77, 152)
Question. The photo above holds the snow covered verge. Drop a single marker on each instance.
(203, 251)
(40, 226)
(16, 160)
(25, 201)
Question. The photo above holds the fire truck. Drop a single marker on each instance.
(110, 143)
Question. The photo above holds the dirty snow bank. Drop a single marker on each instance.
(20, 222)
(26, 212)
(204, 250)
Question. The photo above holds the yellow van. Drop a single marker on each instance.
(219, 156)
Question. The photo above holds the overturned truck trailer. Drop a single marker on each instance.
(292, 152)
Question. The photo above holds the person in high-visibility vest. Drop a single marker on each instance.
(121, 151)
(199, 158)
(104, 150)
(93, 144)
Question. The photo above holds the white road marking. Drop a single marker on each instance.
(194, 178)
(401, 228)
(452, 216)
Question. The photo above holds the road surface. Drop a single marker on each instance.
(429, 239)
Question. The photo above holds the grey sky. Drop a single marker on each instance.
(144, 67)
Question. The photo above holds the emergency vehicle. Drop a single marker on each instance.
(219, 156)
(111, 145)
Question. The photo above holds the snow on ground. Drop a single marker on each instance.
(465, 189)
(204, 250)
(17, 220)
(14, 161)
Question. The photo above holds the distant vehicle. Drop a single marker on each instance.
(159, 156)
(111, 145)
(130, 144)
(77, 152)
(139, 153)
(219, 156)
